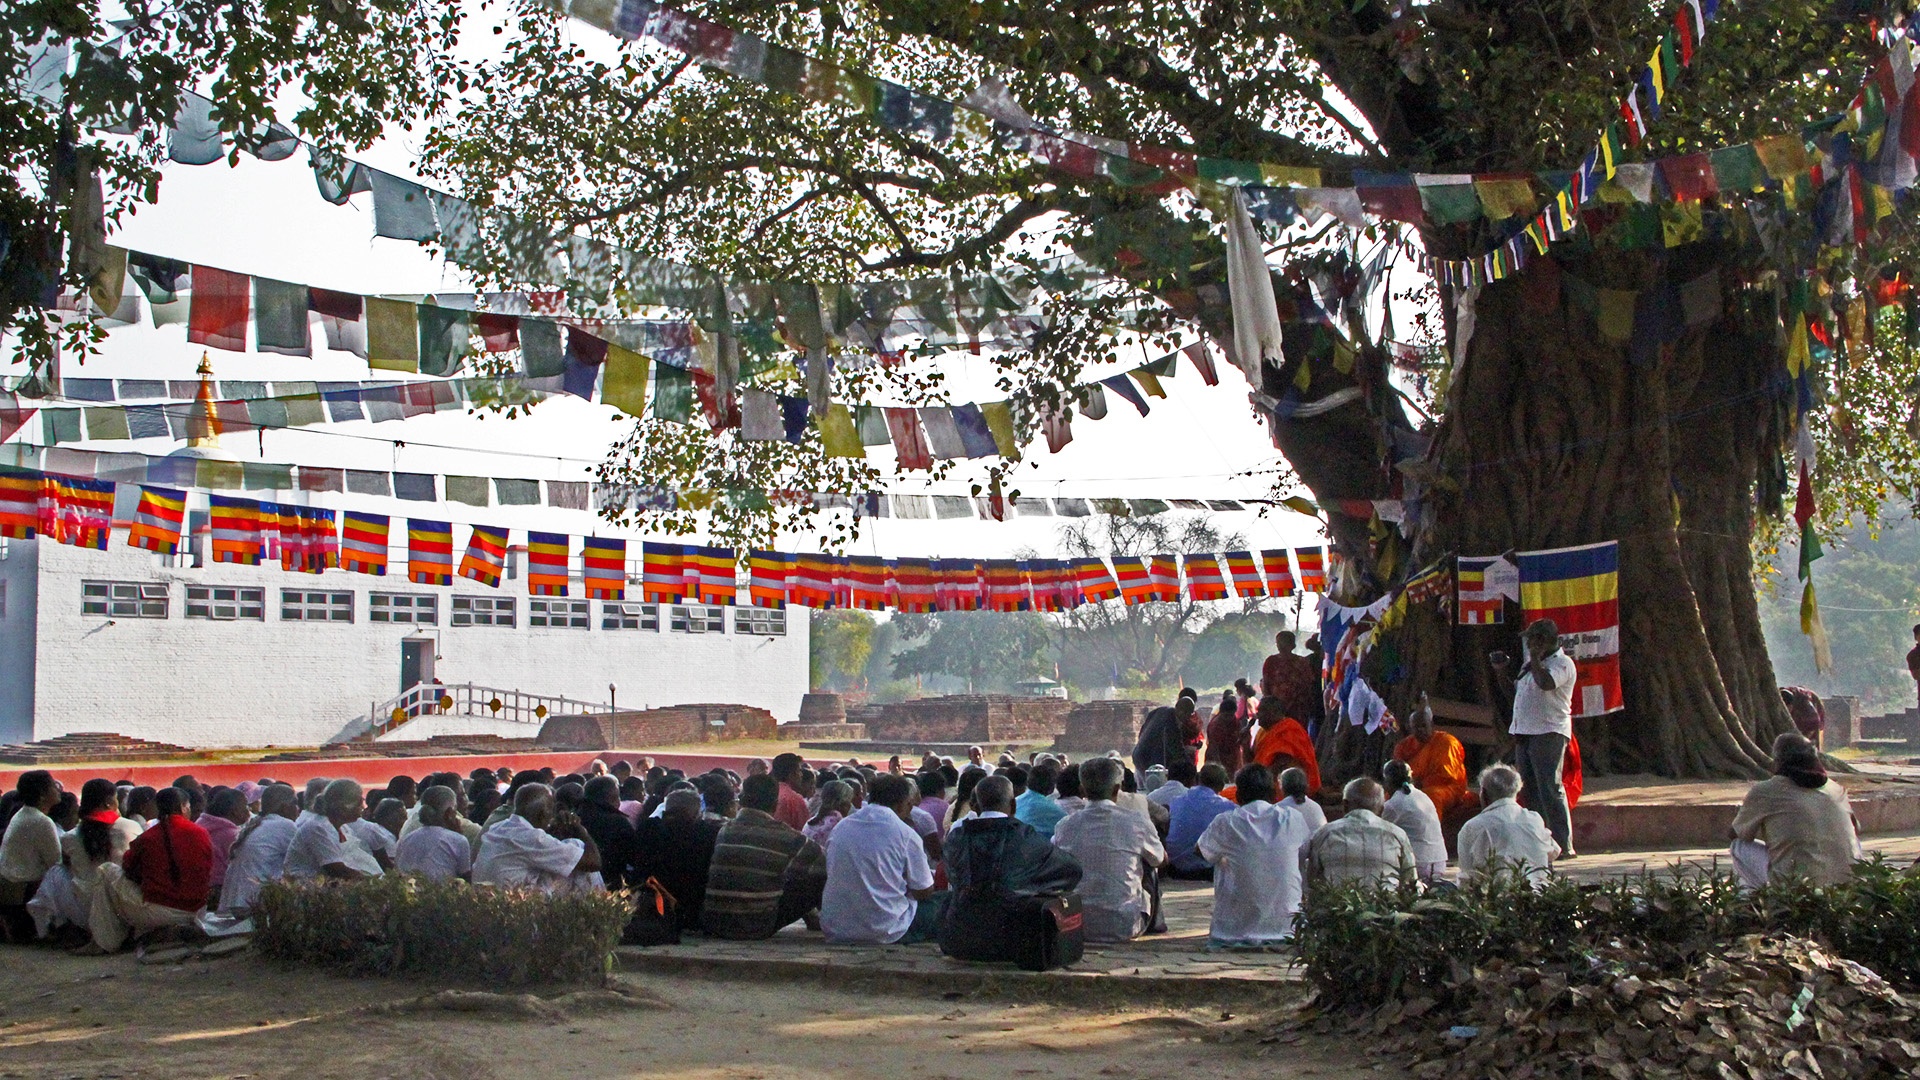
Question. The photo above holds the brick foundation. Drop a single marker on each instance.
(674, 725)
(1096, 727)
(984, 719)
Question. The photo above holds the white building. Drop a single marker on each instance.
(183, 650)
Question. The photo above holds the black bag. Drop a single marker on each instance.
(1054, 934)
(656, 916)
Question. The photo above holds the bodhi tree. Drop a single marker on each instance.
(1554, 428)
(1556, 424)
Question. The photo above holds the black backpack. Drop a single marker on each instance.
(656, 916)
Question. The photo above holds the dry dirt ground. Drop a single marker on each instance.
(63, 1016)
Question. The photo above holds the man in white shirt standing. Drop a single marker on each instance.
(1255, 854)
(535, 847)
(1116, 847)
(1505, 835)
(879, 884)
(1542, 723)
(435, 851)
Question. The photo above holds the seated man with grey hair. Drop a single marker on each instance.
(437, 850)
(1361, 847)
(1118, 850)
(538, 846)
(1505, 835)
(321, 845)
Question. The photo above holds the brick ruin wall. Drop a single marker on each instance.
(1096, 727)
(674, 725)
(970, 718)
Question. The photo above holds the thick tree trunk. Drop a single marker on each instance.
(1554, 437)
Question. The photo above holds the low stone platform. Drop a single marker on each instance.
(1623, 813)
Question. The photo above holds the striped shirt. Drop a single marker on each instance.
(753, 860)
(1362, 848)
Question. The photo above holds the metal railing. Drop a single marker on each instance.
(467, 699)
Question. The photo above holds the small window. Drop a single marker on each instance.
(483, 611)
(225, 603)
(559, 614)
(419, 609)
(123, 599)
(629, 616)
(699, 619)
(304, 605)
(760, 621)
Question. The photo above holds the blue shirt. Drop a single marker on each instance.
(1039, 811)
(1187, 817)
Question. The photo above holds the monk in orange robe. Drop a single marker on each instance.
(1438, 763)
(1283, 744)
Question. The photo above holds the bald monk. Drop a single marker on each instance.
(1282, 743)
(1437, 760)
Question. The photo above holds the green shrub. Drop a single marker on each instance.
(1366, 946)
(399, 923)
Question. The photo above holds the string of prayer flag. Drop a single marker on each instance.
(363, 543)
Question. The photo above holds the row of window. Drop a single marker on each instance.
(148, 600)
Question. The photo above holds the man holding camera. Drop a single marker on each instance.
(1542, 723)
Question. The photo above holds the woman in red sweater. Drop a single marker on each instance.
(162, 882)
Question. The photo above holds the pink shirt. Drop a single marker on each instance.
(791, 810)
(221, 832)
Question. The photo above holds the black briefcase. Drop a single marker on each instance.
(1056, 933)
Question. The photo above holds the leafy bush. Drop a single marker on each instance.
(1367, 946)
(399, 923)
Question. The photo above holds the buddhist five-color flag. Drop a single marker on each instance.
(429, 552)
(1136, 586)
(1486, 583)
(1313, 569)
(1279, 572)
(1579, 589)
(866, 576)
(913, 586)
(547, 563)
(306, 538)
(811, 582)
(363, 543)
(1163, 571)
(768, 572)
(1006, 585)
(20, 504)
(662, 572)
(157, 520)
(486, 557)
(77, 511)
(237, 533)
(1204, 579)
(1094, 581)
(1245, 574)
(712, 575)
(603, 568)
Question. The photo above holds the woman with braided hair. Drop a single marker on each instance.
(162, 882)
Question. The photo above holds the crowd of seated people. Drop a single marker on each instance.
(955, 853)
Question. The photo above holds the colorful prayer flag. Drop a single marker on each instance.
(913, 589)
(20, 503)
(769, 572)
(662, 572)
(75, 510)
(810, 584)
(1136, 583)
(486, 557)
(1204, 578)
(1245, 574)
(1313, 569)
(1486, 583)
(1279, 573)
(715, 577)
(157, 519)
(547, 563)
(363, 543)
(308, 540)
(603, 568)
(1006, 586)
(867, 577)
(957, 584)
(1164, 572)
(429, 552)
(1579, 589)
(237, 533)
(1094, 580)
